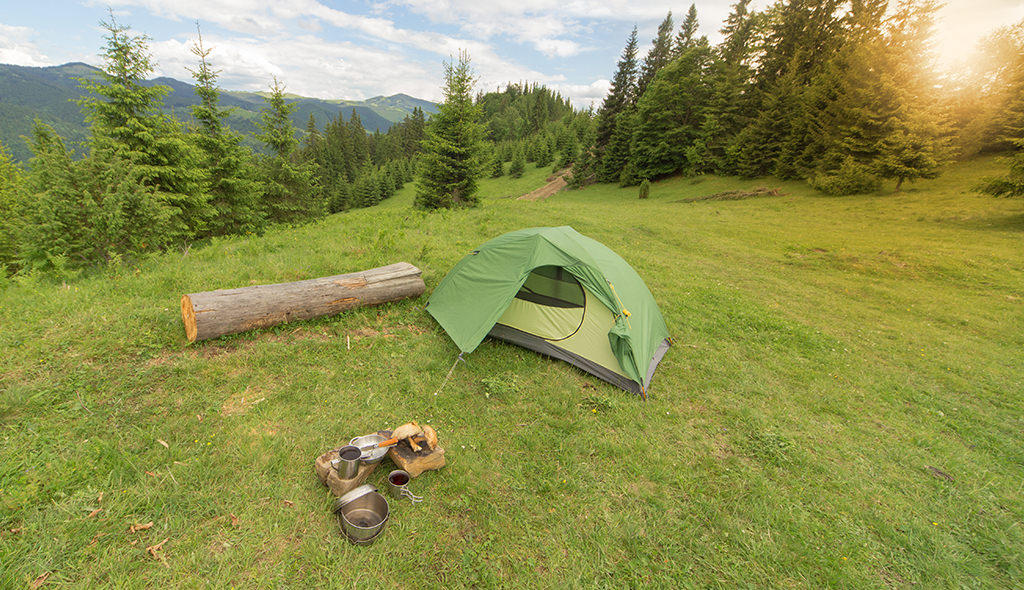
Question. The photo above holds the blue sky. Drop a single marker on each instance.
(361, 49)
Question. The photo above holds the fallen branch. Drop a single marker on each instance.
(735, 195)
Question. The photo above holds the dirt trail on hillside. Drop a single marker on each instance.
(555, 183)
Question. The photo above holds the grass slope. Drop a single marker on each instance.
(831, 351)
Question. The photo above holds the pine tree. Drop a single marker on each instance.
(288, 189)
(620, 95)
(452, 150)
(124, 117)
(585, 165)
(10, 211)
(731, 107)
(86, 211)
(687, 37)
(233, 189)
(657, 57)
(616, 154)
(543, 155)
(518, 166)
(670, 116)
(568, 155)
(497, 167)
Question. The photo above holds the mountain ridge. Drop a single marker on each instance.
(48, 92)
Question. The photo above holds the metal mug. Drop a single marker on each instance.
(348, 461)
(398, 482)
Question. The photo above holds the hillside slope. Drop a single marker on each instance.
(841, 407)
(48, 93)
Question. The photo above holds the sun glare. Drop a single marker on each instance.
(961, 24)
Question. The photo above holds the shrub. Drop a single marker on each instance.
(849, 179)
(645, 189)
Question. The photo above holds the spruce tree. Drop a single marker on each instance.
(288, 189)
(452, 150)
(616, 154)
(645, 189)
(125, 118)
(543, 155)
(497, 167)
(232, 186)
(10, 211)
(687, 36)
(620, 95)
(670, 116)
(657, 57)
(585, 165)
(731, 105)
(518, 166)
(86, 211)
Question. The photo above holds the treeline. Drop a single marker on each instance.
(842, 94)
(147, 181)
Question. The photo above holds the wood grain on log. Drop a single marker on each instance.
(227, 311)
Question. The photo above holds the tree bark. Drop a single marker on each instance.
(227, 311)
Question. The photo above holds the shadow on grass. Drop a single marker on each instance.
(997, 222)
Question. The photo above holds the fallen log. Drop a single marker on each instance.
(227, 311)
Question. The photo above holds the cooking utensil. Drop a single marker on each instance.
(363, 514)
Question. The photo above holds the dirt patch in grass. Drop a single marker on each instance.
(555, 183)
(240, 403)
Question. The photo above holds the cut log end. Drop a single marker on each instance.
(188, 315)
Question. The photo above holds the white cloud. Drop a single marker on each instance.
(16, 47)
(584, 95)
(272, 47)
(307, 65)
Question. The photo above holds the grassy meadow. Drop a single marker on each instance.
(843, 406)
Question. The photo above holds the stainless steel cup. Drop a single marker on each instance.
(397, 480)
(348, 461)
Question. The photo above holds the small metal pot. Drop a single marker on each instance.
(363, 514)
(348, 461)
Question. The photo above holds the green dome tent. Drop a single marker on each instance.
(559, 293)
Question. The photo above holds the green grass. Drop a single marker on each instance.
(829, 351)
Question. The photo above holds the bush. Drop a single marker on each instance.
(850, 178)
(645, 189)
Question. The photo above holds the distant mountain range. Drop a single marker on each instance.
(47, 93)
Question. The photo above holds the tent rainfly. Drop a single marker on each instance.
(557, 292)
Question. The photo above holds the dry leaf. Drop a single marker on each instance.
(96, 539)
(234, 520)
(99, 498)
(135, 542)
(164, 443)
(15, 531)
(39, 581)
(199, 417)
(288, 503)
(151, 474)
(154, 549)
(94, 512)
(140, 527)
